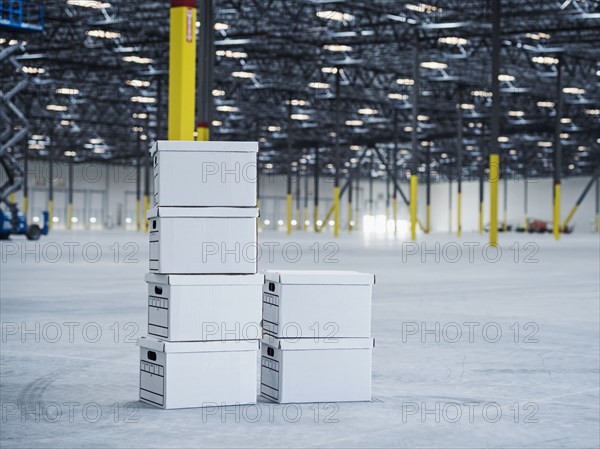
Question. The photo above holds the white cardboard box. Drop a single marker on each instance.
(317, 304)
(204, 174)
(197, 374)
(308, 370)
(204, 307)
(208, 240)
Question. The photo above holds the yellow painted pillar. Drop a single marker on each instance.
(11, 197)
(182, 70)
(146, 207)
(289, 213)
(336, 211)
(414, 183)
(316, 218)
(494, 178)
(25, 207)
(556, 225)
(428, 218)
(50, 214)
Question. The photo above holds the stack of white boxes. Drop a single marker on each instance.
(204, 306)
(317, 342)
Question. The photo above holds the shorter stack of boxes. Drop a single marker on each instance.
(317, 342)
(204, 306)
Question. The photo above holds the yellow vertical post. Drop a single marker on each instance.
(428, 218)
(50, 214)
(494, 176)
(146, 208)
(414, 182)
(11, 197)
(182, 70)
(556, 225)
(305, 217)
(69, 216)
(203, 132)
(289, 213)
(481, 217)
(395, 207)
(336, 211)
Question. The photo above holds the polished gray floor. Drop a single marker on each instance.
(473, 348)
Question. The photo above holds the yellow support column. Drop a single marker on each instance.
(11, 197)
(182, 70)
(428, 218)
(305, 219)
(494, 178)
(556, 225)
(414, 183)
(25, 207)
(336, 211)
(316, 218)
(146, 207)
(289, 213)
(50, 214)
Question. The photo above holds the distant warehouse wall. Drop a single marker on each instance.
(105, 197)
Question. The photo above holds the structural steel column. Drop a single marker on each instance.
(138, 187)
(70, 193)
(459, 165)
(481, 184)
(182, 70)
(148, 163)
(597, 224)
(450, 204)
(557, 150)
(526, 194)
(350, 181)
(495, 124)
(316, 193)
(357, 201)
(505, 197)
(336, 185)
(414, 178)
(428, 190)
(204, 66)
(579, 201)
(298, 184)
(305, 217)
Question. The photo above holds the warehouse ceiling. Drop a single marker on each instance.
(97, 82)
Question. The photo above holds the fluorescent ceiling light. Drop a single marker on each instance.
(335, 15)
(297, 102)
(467, 106)
(481, 93)
(537, 36)
(422, 118)
(96, 141)
(218, 93)
(548, 60)
(140, 115)
(221, 26)
(395, 96)
(516, 113)
(103, 34)
(317, 85)
(592, 111)
(434, 65)
(506, 78)
(354, 122)
(226, 108)
(70, 153)
(453, 40)
(573, 90)
(274, 129)
(146, 100)
(299, 116)
(217, 123)
(329, 69)
(67, 91)
(545, 104)
(405, 81)
(421, 7)
(337, 48)
(544, 144)
(368, 111)
(94, 4)
(232, 54)
(243, 75)
(34, 70)
(503, 139)
(55, 107)
(138, 83)
(137, 59)
(565, 120)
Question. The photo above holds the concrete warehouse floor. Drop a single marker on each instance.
(535, 385)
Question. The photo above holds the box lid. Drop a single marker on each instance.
(197, 346)
(319, 277)
(303, 344)
(203, 212)
(206, 279)
(204, 146)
